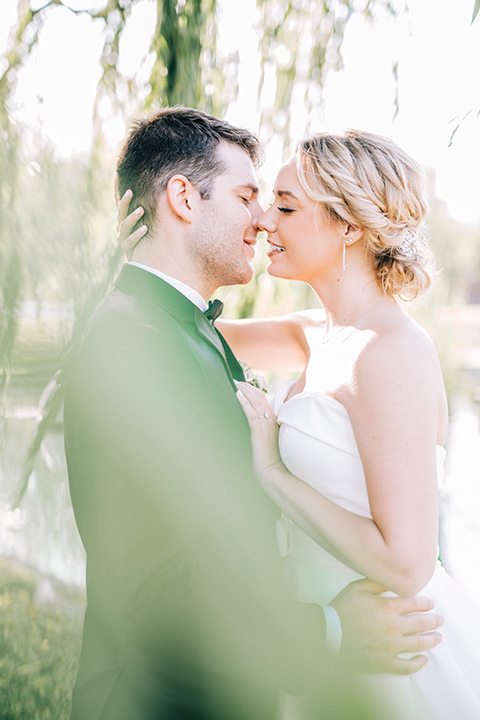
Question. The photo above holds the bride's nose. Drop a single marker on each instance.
(266, 223)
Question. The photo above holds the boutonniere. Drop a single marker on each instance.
(256, 381)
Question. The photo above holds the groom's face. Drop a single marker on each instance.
(225, 234)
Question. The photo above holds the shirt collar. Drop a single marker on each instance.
(186, 290)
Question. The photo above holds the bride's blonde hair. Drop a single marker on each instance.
(367, 180)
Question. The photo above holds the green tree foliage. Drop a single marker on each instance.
(57, 221)
(68, 202)
(56, 243)
(11, 269)
(300, 44)
(184, 46)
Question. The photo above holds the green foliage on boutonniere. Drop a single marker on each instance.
(252, 379)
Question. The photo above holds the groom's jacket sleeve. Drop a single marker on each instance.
(181, 554)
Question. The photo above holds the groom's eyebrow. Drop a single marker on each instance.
(248, 186)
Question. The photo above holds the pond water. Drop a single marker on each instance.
(41, 531)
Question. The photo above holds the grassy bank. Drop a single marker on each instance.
(39, 646)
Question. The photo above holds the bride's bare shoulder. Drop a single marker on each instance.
(398, 350)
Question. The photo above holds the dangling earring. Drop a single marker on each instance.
(344, 255)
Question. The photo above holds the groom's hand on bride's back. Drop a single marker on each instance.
(376, 629)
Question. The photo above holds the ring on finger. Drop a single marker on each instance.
(265, 415)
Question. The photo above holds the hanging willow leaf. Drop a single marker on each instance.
(476, 9)
(457, 126)
(184, 43)
(300, 43)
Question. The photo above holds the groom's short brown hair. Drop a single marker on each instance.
(176, 140)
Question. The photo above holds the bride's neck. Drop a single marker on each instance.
(345, 298)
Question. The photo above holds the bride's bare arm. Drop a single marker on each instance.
(394, 404)
(277, 344)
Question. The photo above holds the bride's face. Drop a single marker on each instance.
(304, 242)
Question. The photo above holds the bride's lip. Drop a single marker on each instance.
(274, 248)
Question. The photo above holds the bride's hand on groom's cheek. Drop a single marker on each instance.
(263, 426)
(127, 237)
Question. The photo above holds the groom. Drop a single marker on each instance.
(186, 616)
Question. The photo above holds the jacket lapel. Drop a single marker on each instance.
(205, 329)
(136, 281)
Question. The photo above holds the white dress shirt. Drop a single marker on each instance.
(186, 290)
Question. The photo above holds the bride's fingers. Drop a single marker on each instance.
(130, 242)
(126, 226)
(256, 399)
(255, 408)
(247, 406)
(127, 237)
(123, 206)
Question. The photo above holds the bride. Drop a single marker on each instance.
(352, 450)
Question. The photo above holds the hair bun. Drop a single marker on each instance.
(368, 180)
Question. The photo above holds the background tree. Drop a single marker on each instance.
(58, 254)
(53, 212)
(56, 216)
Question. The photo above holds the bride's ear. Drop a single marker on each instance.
(352, 234)
(182, 197)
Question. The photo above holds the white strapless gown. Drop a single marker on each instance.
(317, 444)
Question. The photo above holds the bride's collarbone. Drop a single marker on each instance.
(328, 372)
(328, 358)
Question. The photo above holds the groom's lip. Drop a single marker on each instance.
(251, 242)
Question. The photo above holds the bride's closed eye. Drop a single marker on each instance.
(285, 210)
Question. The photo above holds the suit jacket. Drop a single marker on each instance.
(186, 615)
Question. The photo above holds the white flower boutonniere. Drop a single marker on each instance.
(252, 379)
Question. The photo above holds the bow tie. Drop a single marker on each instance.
(214, 310)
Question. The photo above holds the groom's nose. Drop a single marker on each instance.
(256, 212)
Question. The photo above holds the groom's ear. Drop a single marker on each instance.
(182, 197)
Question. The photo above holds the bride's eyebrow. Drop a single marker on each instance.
(282, 193)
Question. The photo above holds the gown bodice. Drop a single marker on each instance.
(317, 444)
